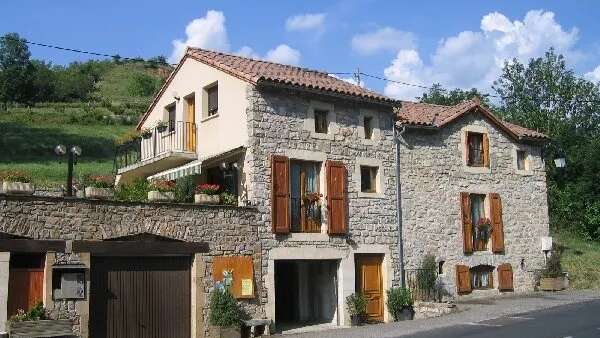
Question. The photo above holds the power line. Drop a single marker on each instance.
(75, 50)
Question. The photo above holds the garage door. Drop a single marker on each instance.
(140, 297)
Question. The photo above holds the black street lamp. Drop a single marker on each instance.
(73, 152)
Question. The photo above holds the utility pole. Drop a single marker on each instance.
(357, 76)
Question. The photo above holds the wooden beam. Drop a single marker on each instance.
(31, 245)
(140, 248)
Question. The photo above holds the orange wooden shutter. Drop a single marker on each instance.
(336, 197)
(467, 224)
(505, 277)
(497, 225)
(280, 194)
(463, 279)
(486, 150)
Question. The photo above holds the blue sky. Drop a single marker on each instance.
(457, 43)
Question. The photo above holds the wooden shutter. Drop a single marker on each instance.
(497, 225)
(486, 150)
(467, 224)
(336, 197)
(280, 194)
(463, 279)
(505, 277)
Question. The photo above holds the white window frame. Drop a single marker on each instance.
(205, 89)
(309, 122)
(380, 187)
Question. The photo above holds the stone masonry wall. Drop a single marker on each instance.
(275, 124)
(227, 230)
(433, 175)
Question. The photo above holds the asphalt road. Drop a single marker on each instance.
(580, 320)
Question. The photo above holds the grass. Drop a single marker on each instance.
(54, 174)
(581, 259)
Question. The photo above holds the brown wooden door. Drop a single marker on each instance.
(190, 125)
(135, 297)
(25, 281)
(370, 283)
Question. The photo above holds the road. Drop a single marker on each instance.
(580, 320)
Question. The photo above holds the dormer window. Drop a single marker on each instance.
(321, 124)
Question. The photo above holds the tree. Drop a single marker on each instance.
(438, 95)
(15, 69)
(547, 96)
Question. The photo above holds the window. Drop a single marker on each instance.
(213, 100)
(522, 163)
(441, 267)
(321, 123)
(171, 111)
(475, 149)
(481, 232)
(482, 277)
(368, 125)
(368, 179)
(305, 199)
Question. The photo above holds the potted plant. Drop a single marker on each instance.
(99, 186)
(553, 277)
(226, 316)
(357, 308)
(34, 321)
(207, 194)
(16, 182)
(161, 126)
(127, 138)
(228, 198)
(400, 304)
(482, 232)
(162, 191)
(146, 133)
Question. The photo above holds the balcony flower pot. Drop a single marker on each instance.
(225, 332)
(206, 199)
(407, 313)
(99, 193)
(34, 328)
(552, 283)
(17, 188)
(161, 196)
(161, 126)
(146, 133)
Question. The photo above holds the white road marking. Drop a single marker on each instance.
(482, 324)
(520, 317)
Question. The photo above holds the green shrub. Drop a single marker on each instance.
(15, 176)
(224, 309)
(163, 185)
(35, 313)
(136, 191)
(357, 304)
(426, 275)
(553, 267)
(184, 189)
(397, 299)
(228, 198)
(98, 181)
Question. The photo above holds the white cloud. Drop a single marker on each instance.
(349, 80)
(247, 51)
(207, 32)
(475, 59)
(594, 75)
(383, 39)
(283, 54)
(304, 22)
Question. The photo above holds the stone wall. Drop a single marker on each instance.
(276, 124)
(433, 175)
(227, 230)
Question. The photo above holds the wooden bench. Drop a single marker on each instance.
(255, 323)
(40, 328)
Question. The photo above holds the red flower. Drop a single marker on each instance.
(208, 188)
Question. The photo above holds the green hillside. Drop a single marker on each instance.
(29, 132)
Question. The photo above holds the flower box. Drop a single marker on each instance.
(40, 328)
(99, 193)
(552, 284)
(161, 196)
(206, 199)
(18, 188)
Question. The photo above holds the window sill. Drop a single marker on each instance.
(370, 195)
(209, 118)
(477, 170)
(321, 136)
(524, 172)
(307, 237)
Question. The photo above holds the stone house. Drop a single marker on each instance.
(313, 163)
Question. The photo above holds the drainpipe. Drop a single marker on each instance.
(397, 135)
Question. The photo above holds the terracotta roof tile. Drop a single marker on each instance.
(264, 72)
(437, 116)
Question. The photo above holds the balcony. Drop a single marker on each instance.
(164, 149)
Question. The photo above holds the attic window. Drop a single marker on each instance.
(368, 124)
(477, 149)
(213, 100)
(321, 124)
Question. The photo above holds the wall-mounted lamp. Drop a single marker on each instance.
(176, 96)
